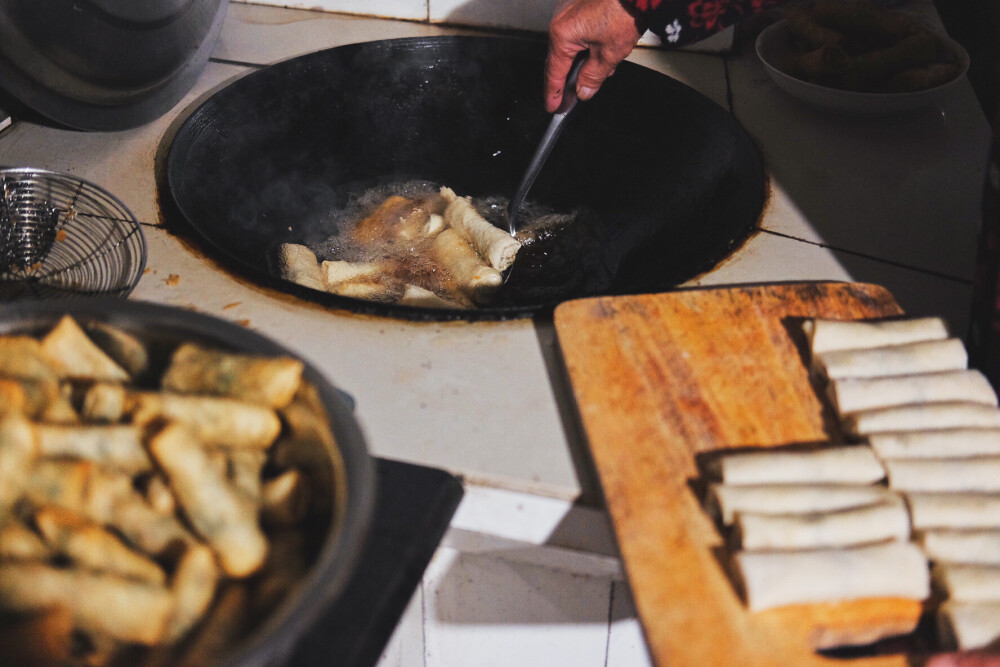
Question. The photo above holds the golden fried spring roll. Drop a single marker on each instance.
(424, 298)
(285, 499)
(18, 447)
(193, 587)
(869, 69)
(272, 381)
(923, 78)
(298, 264)
(94, 548)
(59, 411)
(104, 402)
(825, 64)
(159, 496)
(18, 542)
(335, 272)
(863, 17)
(434, 225)
(22, 357)
(494, 245)
(804, 26)
(245, 466)
(74, 355)
(127, 610)
(214, 421)
(216, 510)
(223, 623)
(476, 279)
(117, 446)
(125, 349)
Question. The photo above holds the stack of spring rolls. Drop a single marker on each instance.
(131, 515)
(439, 252)
(918, 484)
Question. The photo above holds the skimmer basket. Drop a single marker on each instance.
(61, 237)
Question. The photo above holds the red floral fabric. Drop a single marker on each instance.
(680, 22)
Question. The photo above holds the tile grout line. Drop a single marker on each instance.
(423, 622)
(611, 613)
(902, 265)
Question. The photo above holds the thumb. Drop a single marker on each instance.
(592, 76)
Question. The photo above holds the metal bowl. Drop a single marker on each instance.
(342, 532)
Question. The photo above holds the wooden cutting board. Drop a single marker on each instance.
(658, 379)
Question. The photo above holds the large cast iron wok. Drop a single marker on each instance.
(668, 181)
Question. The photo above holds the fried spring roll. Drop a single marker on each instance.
(123, 609)
(94, 548)
(222, 625)
(494, 245)
(424, 298)
(298, 264)
(104, 402)
(74, 355)
(193, 587)
(395, 218)
(285, 499)
(215, 421)
(271, 381)
(870, 69)
(217, 511)
(125, 349)
(335, 272)
(18, 542)
(22, 357)
(28, 397)
(804, 26)
(18, 446)
(117, 446)
(476, 279)
(159, 496)
(863, 17)
(923, 78)
(38, 639)
(244, 468)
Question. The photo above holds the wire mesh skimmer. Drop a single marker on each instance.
(62, 237)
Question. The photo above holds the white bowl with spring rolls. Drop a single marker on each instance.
(174, 489)
(816, 77)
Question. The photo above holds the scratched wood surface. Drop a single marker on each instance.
(660, 378)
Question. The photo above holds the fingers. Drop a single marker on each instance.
(557, 66)
(593, 74)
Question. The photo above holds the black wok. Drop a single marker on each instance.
(668, 182)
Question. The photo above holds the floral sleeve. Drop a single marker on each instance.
(680, 22)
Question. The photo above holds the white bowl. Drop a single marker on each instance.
(772, 45)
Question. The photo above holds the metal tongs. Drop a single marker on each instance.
(548, 141)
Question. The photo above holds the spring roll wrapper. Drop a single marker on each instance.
(216, 510)
(271, 381)
(494, 245)
(922, 417)
(778, 578)
(126, 610)
(214, 421)
(474, 277)
(930, 510)
(846, 464)
(298, 264)
(725, 500)
(969, 625)
(855, 394)
(18, 447)
(976, 474)
(18, 542)
(967, 582)
(970, 545)
(935, 443)
(836, 528)
(94, 548)
(116, 446)
(829, 335)
(910, 358)
(74, 355)
(193, 587)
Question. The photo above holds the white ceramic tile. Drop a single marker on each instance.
(516, 14)
(263, 35)
(401, 9)
(626, 645)
(406, 646)
(904, 187)
(486, 612)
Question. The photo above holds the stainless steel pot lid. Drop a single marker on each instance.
(104, 64)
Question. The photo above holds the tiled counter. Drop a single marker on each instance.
(526, 575)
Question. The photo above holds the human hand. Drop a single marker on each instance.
(604, 27)
(965, 660)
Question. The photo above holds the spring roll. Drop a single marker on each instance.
(159, 496)
(215, 421)
(974, 474)
(476, 279)
(856, 394)
(969, 625)
(115, 446)
(434, 225)
(104, 402)
(336, 272)
(18, 446)
(217, 511)
(222, 625)
(22, 357)
(395, 218)
(906, 359)
(271, 381)
(967, 582)
(829, 335)
(936, 443)
(423, 298)
(825, 64)
(921, 417)
(125, 349)
(947, 545)
(30, 398)
(806, 28)
(18, 542)
(930, 510)
(494, 245)
(837, 528)
(777, 578)
(725, 500)
(94, 548)
(285, 499)
(923, 78)
(105, 604)
(855, 464)
(193, 588)
(38, 639)
(244, 469)
(298, 264)
(74, 355)
(871, 70)
(863, 17)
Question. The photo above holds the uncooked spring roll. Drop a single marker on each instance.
(969, 625)
(855, 394)
(855, 464)
(969, 545)
(925, 357)
(298, 264)
(494, 245)
(936, 443)
(974, 474)
(269, 380)
(725, 500)
(968, 582)
(476, 279)
(953, 510)
(826, 335)
(778, 578)
(922, 417)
